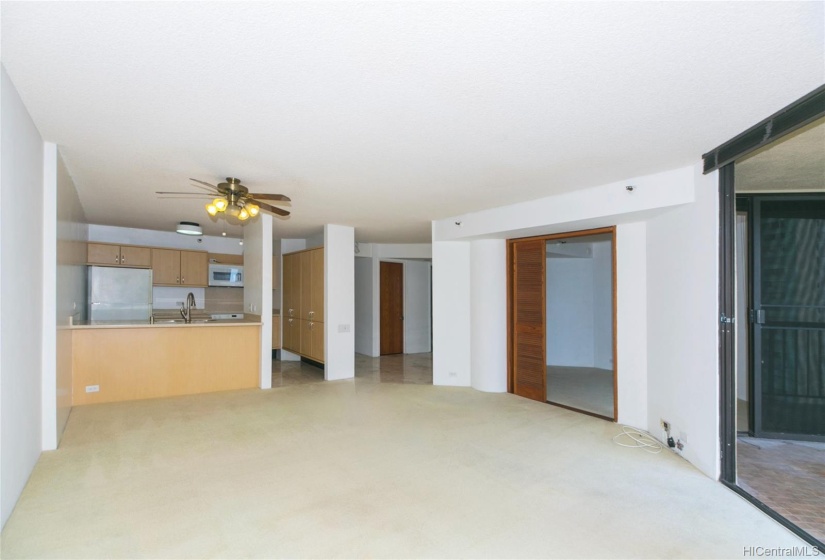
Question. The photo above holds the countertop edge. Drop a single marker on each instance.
(168, 325)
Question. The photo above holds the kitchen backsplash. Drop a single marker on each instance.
(172, 298)
(224, 300)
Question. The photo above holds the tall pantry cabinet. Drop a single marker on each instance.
(303, 313)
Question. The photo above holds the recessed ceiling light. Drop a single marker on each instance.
(189, 228)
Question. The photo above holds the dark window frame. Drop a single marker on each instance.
(798, 114)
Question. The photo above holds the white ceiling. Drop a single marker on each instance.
(386, 115)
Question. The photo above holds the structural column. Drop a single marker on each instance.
(339, 302)
(488, 311)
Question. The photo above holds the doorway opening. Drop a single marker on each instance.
(562, 320)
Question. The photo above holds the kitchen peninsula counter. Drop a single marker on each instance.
(123, 360)
(163, 323)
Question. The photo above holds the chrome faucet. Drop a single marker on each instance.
(186, 309)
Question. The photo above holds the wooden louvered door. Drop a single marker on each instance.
(527, 284)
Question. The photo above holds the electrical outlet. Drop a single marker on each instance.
(92, 388)
(453, 374)
(665, 425)
(344, 328)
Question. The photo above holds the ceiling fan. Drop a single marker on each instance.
(232, 198)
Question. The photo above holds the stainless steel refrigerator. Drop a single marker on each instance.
(119, 294)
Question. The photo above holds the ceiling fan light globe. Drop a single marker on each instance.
(221, 204)
(211, 209)
(243, 214)
(233, 210)
(252, 209)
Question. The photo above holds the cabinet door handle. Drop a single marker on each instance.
(311, 313)
(177, 279)
(117, 260)
(122, 260)
(290, 314)
(311, 325)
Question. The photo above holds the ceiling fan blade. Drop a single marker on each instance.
(271, 209)
(262, 196)
(203, 183)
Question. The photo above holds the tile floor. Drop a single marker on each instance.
(788, 476)
(584, 388)
(398, 368)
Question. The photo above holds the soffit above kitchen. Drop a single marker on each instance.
(387, 115)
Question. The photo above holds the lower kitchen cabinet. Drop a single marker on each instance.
(291, 335)
(312, 341)
(305, 338)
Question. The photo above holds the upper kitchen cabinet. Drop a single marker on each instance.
(171, 267)
(194, 268)
(118, 255)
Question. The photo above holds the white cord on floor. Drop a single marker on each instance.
(640, 439)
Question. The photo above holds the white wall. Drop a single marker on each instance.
(416, 307)
(71, 293)
(416, 258)
(488, 315)
(580, 209)
(395, 250)
(48, 304)
(257, 293)
(451, 313)
(339, 304)
(570, 312)
(363, 306)
(631, 324)
(21, 294)
(682, 306)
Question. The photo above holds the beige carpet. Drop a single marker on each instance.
(364, 469)
(584, 388)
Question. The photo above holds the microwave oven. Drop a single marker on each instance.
(226, 275)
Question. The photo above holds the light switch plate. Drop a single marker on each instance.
(344, 328)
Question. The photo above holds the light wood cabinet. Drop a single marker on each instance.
(292, 334)
(166, 267)
(292, 286)
(276, 332)
(304, 303)
(118, 255)
(151, 362)
(194, 268)
(171, 267)
(312, 340)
